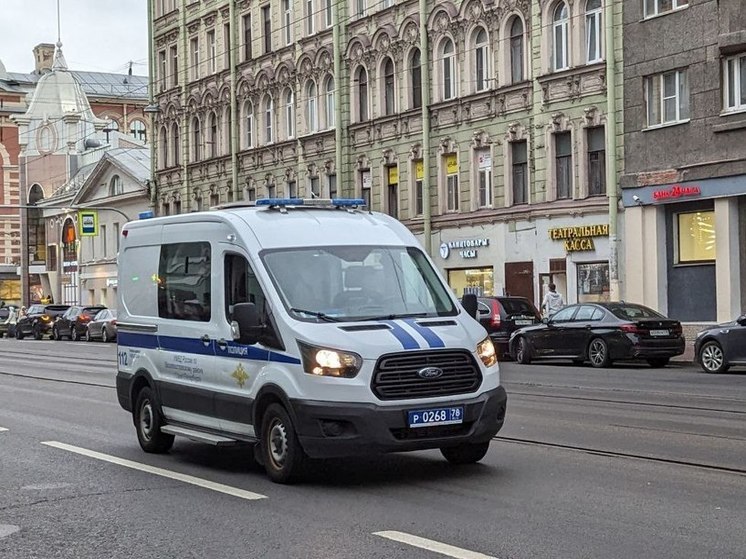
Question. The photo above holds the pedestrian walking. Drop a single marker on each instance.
(553, 301)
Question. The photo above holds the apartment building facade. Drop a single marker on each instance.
(519, 126)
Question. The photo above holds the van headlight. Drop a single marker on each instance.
(328, 362)
(486, 352)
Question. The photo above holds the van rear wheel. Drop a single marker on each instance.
(283, 457)
(465, 453)
(148, 424)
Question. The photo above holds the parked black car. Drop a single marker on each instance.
(103, 326)
(601, 333)
(38, 320)
(74, 322)
(501, 316)
(719, 347)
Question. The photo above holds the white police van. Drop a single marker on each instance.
(311, 328)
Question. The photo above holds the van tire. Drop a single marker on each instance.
(148, 423)
(283, 457)
(469, 453)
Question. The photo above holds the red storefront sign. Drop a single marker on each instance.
(676, 191)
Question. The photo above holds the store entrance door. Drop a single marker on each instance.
(519, 279)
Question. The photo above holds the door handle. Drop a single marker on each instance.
(222, 344)
(205, 339)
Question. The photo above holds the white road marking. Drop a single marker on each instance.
(2, 429)
(213, 486)
(431, 545)
(7, 529)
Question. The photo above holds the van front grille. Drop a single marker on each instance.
(396, 375)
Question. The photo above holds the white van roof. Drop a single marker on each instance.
(279, 227)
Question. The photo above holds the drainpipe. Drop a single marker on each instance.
(611, 159)
(234, 117)
(151, 108)
(425, 76)
(184, 135)
(337, 39)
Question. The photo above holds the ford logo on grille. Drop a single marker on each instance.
(430, 372)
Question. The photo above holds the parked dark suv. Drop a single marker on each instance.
(38, 320)
(74, 323)
(501, 316)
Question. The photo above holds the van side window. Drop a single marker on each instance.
(241, 285)
(184, 276)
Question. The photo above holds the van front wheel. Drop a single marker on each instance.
(465, 453)
(148, 424)
(282, 454)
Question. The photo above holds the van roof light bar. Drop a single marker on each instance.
(312, 202)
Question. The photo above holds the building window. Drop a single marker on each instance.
(174, 66)
(196, 140)
(656, 7)
(267, 29)
(392, 190)
(292, 189)
(563, 164)
(667, 97)
(194, 49)
(104, 247)
(249, 124)
(450, 162)
(362, 94)
(365, 186)
(177, 207)
(481, 59)
(185, 264)
(289, 113)
(175, 144)
(214, 200)
(332, 181)
(593, 282)
(162, 68)
(516, 50)
(212, 51)
(163, 148)
(227, 48)
(269, 110)
(734, 80)
(137, 130)
(312, 115)
(596, 160)
(561, 38)
(360, 8)
(329, 95)
(696, 237)
(449, 69)
(416, 76)
(328, 14)
(212, 140)
(309, 17)
(314, 185)
(287, 21)
(389, 90)
(246, 37)
(519, 158)
(419, 175)
(115, 186)
(593, 29)
(484, 177)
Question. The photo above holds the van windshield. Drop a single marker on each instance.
(356, 283)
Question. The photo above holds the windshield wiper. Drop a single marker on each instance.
(317, 314)
(396, 316)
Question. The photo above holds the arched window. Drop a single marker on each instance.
(137, 129)
(163, 151)
(115, 186)
(362, 94)
(329, 95)
(415, 68)
(516, 50)
(196, 140)
(389, 89)
(560, 37)
(175, 144)
(312, 115)
(269, 109)
(248, 118)
(481, 59)
(213, 137)
(448, 60)
(113, 124)
(36, 226)
(289, 113)
(593, 31)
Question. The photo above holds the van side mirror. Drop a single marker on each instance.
(246, 316)
(469, 302)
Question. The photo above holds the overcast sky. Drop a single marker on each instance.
(97, 35)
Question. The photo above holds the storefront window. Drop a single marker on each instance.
(696, 236)
(593, 282)
(479, 281)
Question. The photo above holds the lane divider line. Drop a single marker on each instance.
(2, 429)
(431, 545)
(211, 485)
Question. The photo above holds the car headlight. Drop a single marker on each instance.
(486, 352)
(328, 362)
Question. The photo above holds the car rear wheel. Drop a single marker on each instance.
(283, 457)
(465, 453)
(148, 424)
(104, 335)
(74, 336)
(522, 351)
(88, 336)
(712, 358)
(598, 353)
(658, 362)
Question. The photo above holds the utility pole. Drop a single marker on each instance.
(338, 85)
(425, 75)
(611, 167)
(232, 51)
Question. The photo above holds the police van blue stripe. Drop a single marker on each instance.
(405, 338)
(431, 337)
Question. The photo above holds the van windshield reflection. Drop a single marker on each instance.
(357, 283)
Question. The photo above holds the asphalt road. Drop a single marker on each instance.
(616, 463)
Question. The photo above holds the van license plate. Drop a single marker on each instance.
(436, 416)
(659, 332)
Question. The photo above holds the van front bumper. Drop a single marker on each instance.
(330, 430)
